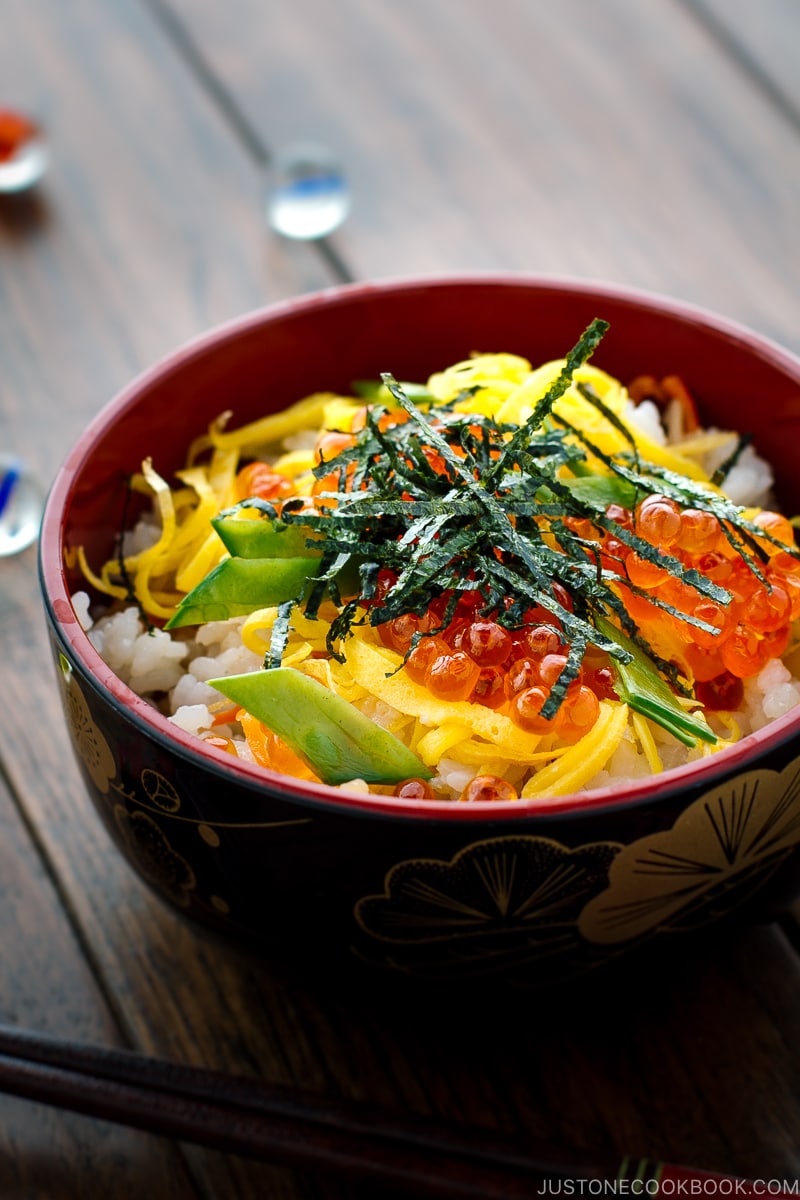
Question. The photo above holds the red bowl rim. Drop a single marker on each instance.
(703, 773)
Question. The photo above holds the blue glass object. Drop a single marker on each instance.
(308, 194)
(21, 505)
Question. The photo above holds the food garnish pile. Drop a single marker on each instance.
(499, 571)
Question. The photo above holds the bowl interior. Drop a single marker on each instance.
(265, 361)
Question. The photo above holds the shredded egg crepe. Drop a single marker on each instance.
(507, 582)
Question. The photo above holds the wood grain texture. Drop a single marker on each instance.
(524, 136)
(651, 1064)
(613, 140)
(147, 230)
(765, 39)
(47, 984)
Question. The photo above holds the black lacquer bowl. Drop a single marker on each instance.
(533, 891)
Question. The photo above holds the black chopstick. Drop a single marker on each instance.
(282, 1125)
(405, 1154)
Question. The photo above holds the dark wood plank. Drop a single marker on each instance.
(764, 39)
(652, 1064)
(47, 984)
(147, 231)
(618, 141)
(649, 1064)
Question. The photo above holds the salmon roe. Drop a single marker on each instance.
(261, 480)
(414, 789)
(487, 643)
(735, 639)
(488, 787)
(579, 711)
(526, 710)
(398, 633)
(474, 657)
(452, 676)
(221, 742)
(271, 751)
(658, 521)
(427, 650)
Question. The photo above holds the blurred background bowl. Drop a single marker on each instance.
(534, 891)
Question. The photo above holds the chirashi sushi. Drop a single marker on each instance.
(511, 581)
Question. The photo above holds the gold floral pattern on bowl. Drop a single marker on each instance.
(499, 903)
(721, 848)
(526, 907)
(90, 744)
(155, 858)
(160, 791)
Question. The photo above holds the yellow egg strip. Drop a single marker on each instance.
(398, 725)
(194, 549)
(296, 654)
(100, 582)
(343, 681)
(521, 403)
(374, 667)
(644, 733)
(313, 630)
(573, 407)
(729, 722)
(257, 629)
(497, 375)
(148, 559)
(653, 452)
(437, 742)
(186, 549)
(473, 752)
(324, 671)
(583, 760)
(319, 669)
(339, 413)
(697, 445)
(256, 633)
(296, 464)
(494, 767)
(305, 414)
(206, 556)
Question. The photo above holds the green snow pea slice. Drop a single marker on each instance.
(239, 586)
(376, 392)
(641, 687)
(337, 741)
(601, 490)
(264, 538)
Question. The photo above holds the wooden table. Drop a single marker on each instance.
(653, 144)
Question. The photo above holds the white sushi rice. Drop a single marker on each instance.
(172, 672)
(645, 416)
(749, 481)
(154, 662)
(767, 696)
(147, 662)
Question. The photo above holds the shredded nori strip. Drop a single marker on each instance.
(452, 502)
